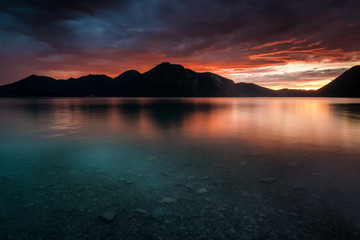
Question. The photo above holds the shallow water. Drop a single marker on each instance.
(206, 168)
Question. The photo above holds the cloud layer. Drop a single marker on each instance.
(247, 40)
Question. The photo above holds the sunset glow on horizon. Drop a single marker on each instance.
(275, 44)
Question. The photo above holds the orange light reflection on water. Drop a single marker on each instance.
(261, 122)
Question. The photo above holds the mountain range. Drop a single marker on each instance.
(170, 80)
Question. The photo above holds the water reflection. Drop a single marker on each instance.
(347, 110)
(265, 123)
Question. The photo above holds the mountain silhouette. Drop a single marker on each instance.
(346, 85)
(34, 86)
(45, 86)
(164, 80)
(243, 89)
(127, 76)
(170, 80)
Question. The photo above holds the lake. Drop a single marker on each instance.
(180, 168)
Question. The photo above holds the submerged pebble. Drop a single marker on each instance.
(244, 193)
(232, 231)
(129, 182)
(202, 190)
(141, 211)
(158, 214)
(267, 180)
(107, 216)
(167, 200)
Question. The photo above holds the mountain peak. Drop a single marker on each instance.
(95, 77)
(127, 76)
(167, 65)
(34, 77)
(357, 67)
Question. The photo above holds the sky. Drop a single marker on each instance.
(300, 44)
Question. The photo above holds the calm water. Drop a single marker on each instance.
(221, 168)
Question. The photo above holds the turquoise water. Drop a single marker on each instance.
(205, 168)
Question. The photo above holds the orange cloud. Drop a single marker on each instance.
(270, 44)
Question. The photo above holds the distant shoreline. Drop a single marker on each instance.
(170, 80)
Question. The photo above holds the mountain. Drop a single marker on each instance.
(164, 80)
(170, 80)
(33, 86)
(346, 85)
(91, 85)
(48, 87)
(127, 76)
(243, 89)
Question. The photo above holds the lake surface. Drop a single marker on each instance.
(201, 168)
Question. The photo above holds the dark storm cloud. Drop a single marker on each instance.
(54, 22)
(177, 27)
(217, 32)
(209, 25)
